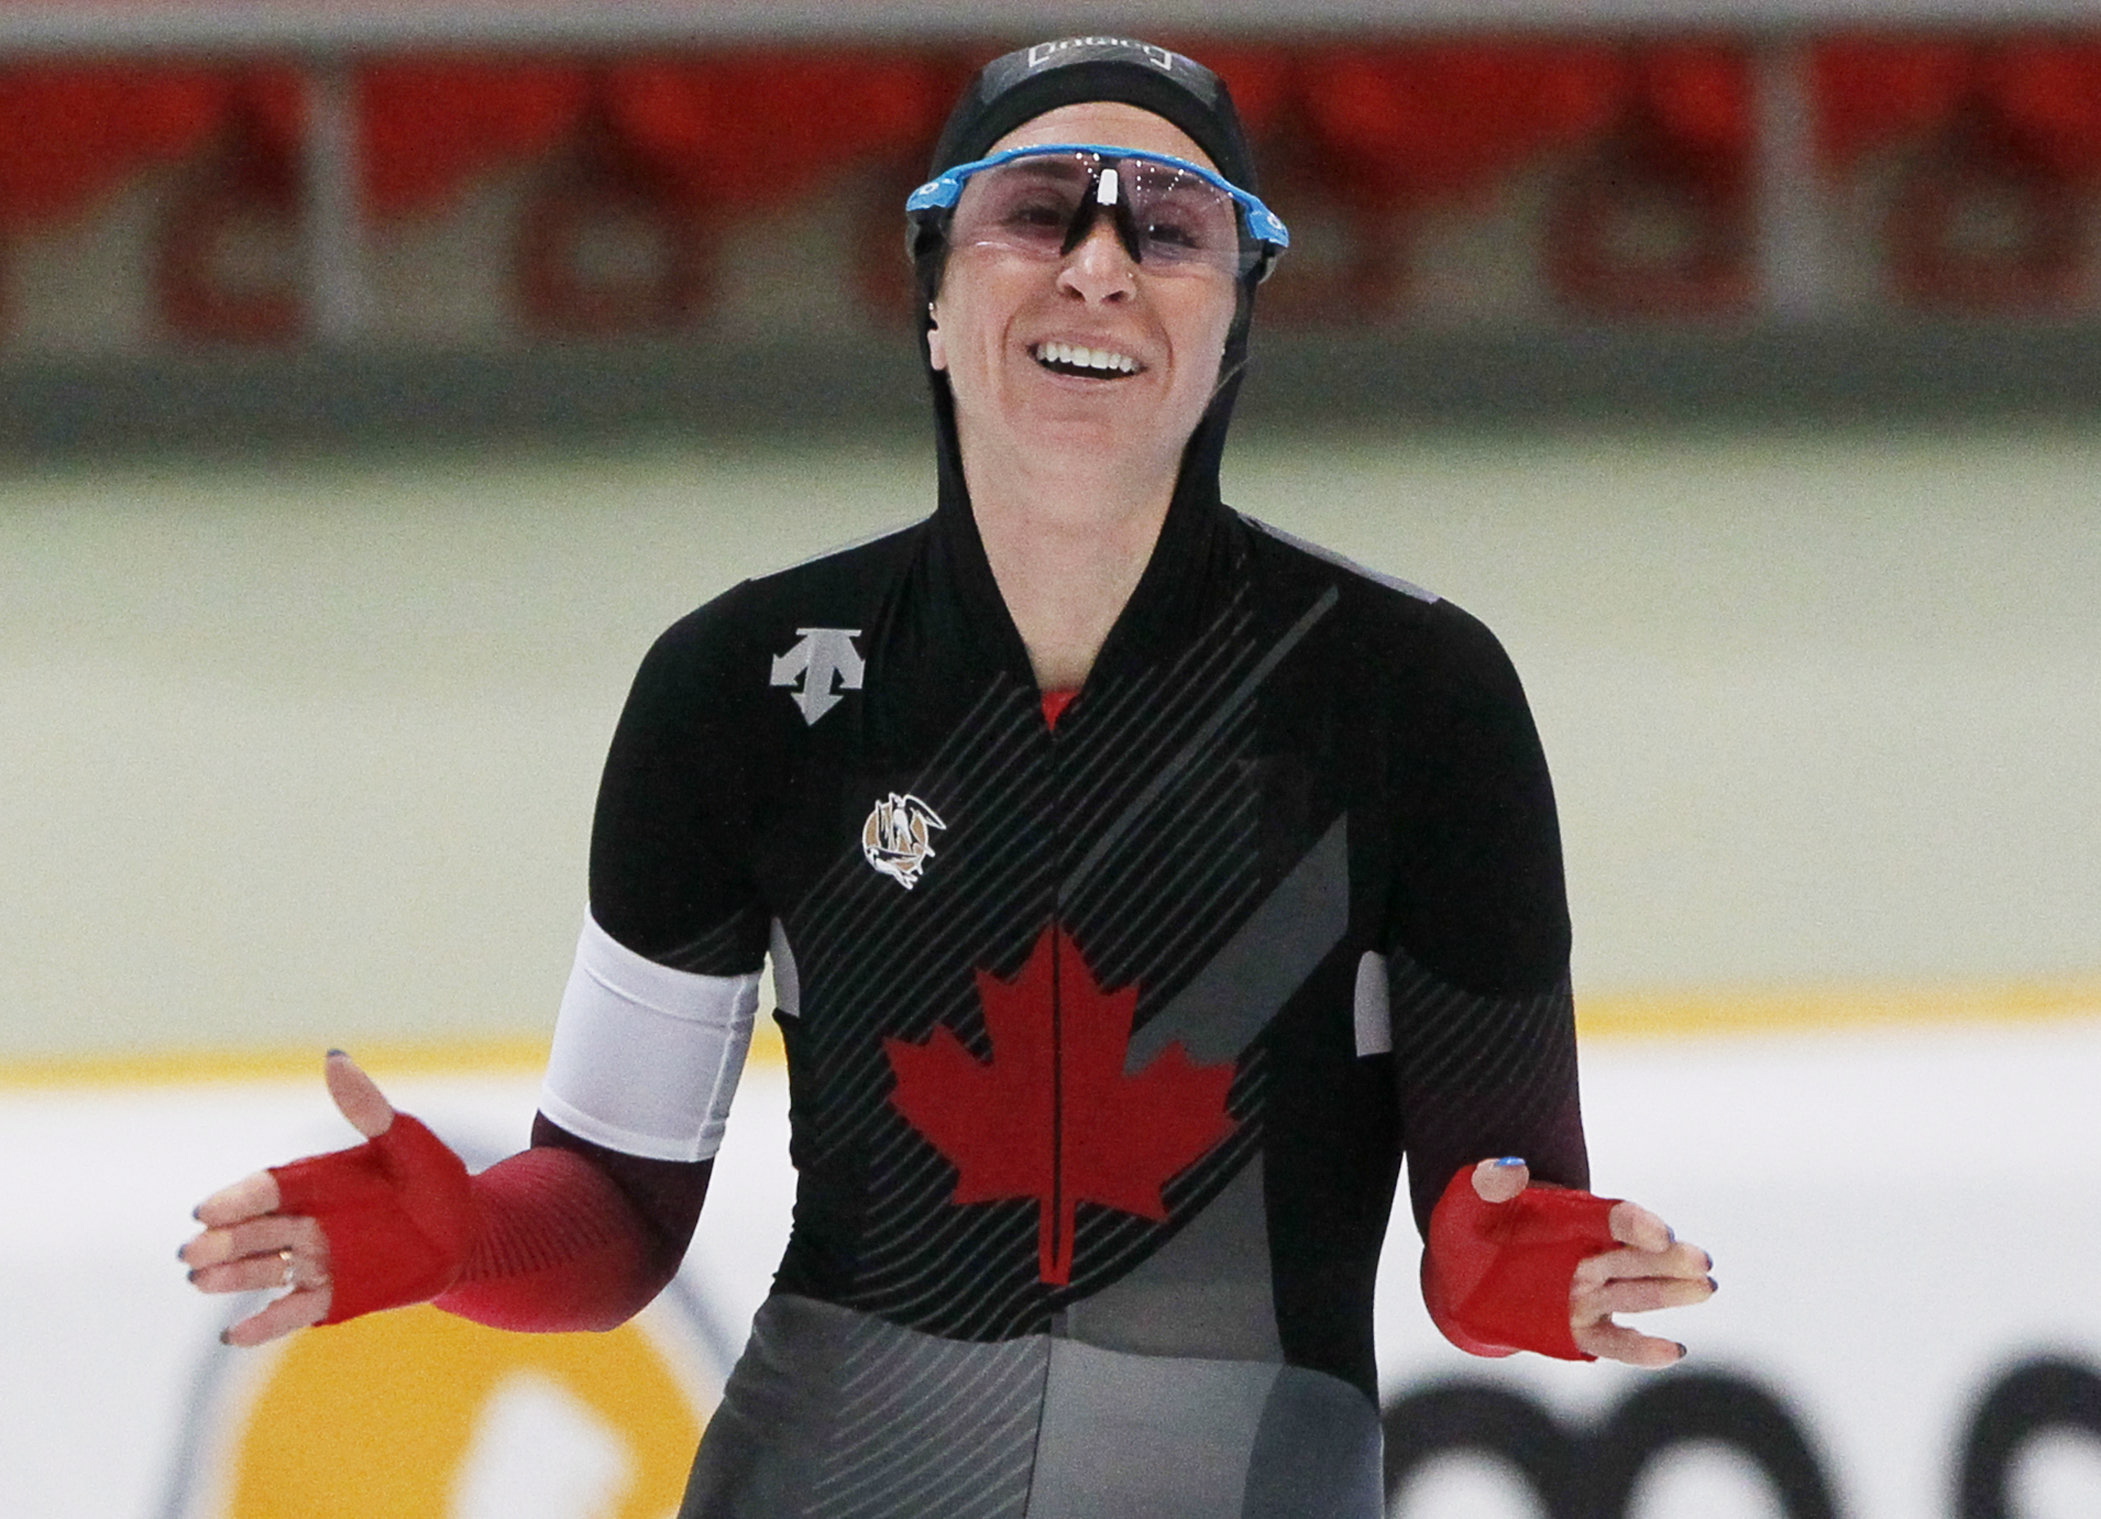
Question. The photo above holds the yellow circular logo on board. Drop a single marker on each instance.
(417, 1414)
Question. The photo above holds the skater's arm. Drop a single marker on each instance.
(566, 1235)
(1485, 1043)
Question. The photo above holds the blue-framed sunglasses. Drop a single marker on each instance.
(1172, 216)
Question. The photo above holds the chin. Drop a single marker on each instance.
(1131, 411)
(1101, 427)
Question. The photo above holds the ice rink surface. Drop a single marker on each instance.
(304, 751)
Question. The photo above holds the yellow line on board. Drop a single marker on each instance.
(1678, 1014)
(524, 1055)
(256, 1063)
(1599, 1016)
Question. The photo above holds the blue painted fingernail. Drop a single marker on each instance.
(1511, 1160)
(226, 1337)
(1681, 1352)
(344, 1053)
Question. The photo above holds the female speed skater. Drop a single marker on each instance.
(1141, 886)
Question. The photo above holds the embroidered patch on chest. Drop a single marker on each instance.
(897, 838)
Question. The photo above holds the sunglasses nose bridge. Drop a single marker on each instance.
(1103, 202)
(1099, 267)
(1100, 252)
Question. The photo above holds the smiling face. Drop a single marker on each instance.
(1089, 359)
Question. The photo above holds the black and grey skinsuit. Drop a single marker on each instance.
(1296, 828)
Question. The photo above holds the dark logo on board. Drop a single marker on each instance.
(1592, 1470)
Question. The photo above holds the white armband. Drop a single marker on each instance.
(646, 1058)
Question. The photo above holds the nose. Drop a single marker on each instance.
(1099, 269)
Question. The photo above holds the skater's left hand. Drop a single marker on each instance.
(1652, 1269)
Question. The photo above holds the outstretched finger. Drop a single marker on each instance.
(251, 1273)
(258, 1237)
(1680, 1260)
(295, 1310)
(250, 1197)
(1640, 1295)
(1632, 1224)
(1497, 1181)
(357, 1097)
(1615, 1342)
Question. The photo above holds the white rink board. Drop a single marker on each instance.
(1895, 1217)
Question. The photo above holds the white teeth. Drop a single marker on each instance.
(1086, 358)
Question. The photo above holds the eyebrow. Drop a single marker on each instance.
(1049, 168)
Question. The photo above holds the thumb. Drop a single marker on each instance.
(1497, 1181)
(356, 1097)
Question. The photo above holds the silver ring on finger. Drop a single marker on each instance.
(291, 1267)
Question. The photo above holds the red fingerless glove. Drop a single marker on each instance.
(398, 1213)
(1496, 1275)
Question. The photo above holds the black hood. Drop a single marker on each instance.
(1022, 85)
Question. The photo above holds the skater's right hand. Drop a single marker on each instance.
(384, 1223)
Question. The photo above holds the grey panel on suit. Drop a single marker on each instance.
(1131, 1435)
(1206, 1292)
(1220, 1013)
(833, 1414)
(1319, 1453)
(739, 1468)
(1181, 1438)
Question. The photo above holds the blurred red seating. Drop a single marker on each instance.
(2000, 142)
(1650, 130)
(1651, 145)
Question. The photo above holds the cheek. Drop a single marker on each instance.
(971, 314)
(1203, 325)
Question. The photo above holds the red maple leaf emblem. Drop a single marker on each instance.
(1053, 1116)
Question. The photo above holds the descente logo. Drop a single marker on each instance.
(1159, 57)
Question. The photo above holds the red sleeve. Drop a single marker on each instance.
(576, 1236)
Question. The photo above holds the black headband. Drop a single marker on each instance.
(1022, 85)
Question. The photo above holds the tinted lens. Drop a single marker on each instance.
(1025, 205)
(1181, 220)
(1028, 205)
